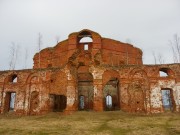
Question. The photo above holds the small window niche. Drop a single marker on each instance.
(49, 66)
(165, 72)
(13, 78)
(86, 47)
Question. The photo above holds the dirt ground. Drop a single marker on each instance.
(91, 123)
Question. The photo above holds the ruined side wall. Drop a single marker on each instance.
(139, 88)
(116, 53)
(31, 88)
(53, 57)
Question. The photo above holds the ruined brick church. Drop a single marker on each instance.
(99, 74)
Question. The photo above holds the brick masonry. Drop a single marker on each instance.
(68, 78)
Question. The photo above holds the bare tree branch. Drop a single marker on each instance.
(39, 47)
(14, 53)
(175, 47)
(161, 59)
(26, 58)
(57, 39)
(154, 56)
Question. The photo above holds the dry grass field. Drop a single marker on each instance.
(91, 123)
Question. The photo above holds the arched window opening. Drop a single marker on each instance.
(13, 78)
(108, 101)
(85, 40)
(81, 102)
(167, 99)
(163, 74)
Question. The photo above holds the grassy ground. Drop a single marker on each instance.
(91, 123)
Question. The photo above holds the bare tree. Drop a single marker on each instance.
(175, 46)
(57, 39)
(26, 58)
(154, 56)
(161, 59)
(39, 48)
(14, 53)
(158, 58)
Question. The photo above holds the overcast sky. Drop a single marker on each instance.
(148, 24)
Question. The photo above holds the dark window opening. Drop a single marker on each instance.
(49, 65)
(10, 101)
(86, 47)
(108, 102)
(81, 102)
(58, 102)
(165, 72)
(167, 99)
(13, 78)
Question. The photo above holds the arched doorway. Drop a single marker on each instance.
(111, 95)
(34, 102)
(138, 91)
(85, 89)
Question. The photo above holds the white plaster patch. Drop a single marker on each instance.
(70, 95)
(4, 94)
(19, 105)
(166, 83)
(156, 97)
(68, 74)
(95, 90)
(177, 94)
(96, 72)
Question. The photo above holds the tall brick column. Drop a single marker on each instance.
(98, 95)
(97, 73)
(71, 92)
(71, 97)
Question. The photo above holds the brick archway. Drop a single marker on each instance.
(138, 90)
(85, 88)
(34, 103)
(111, 87)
